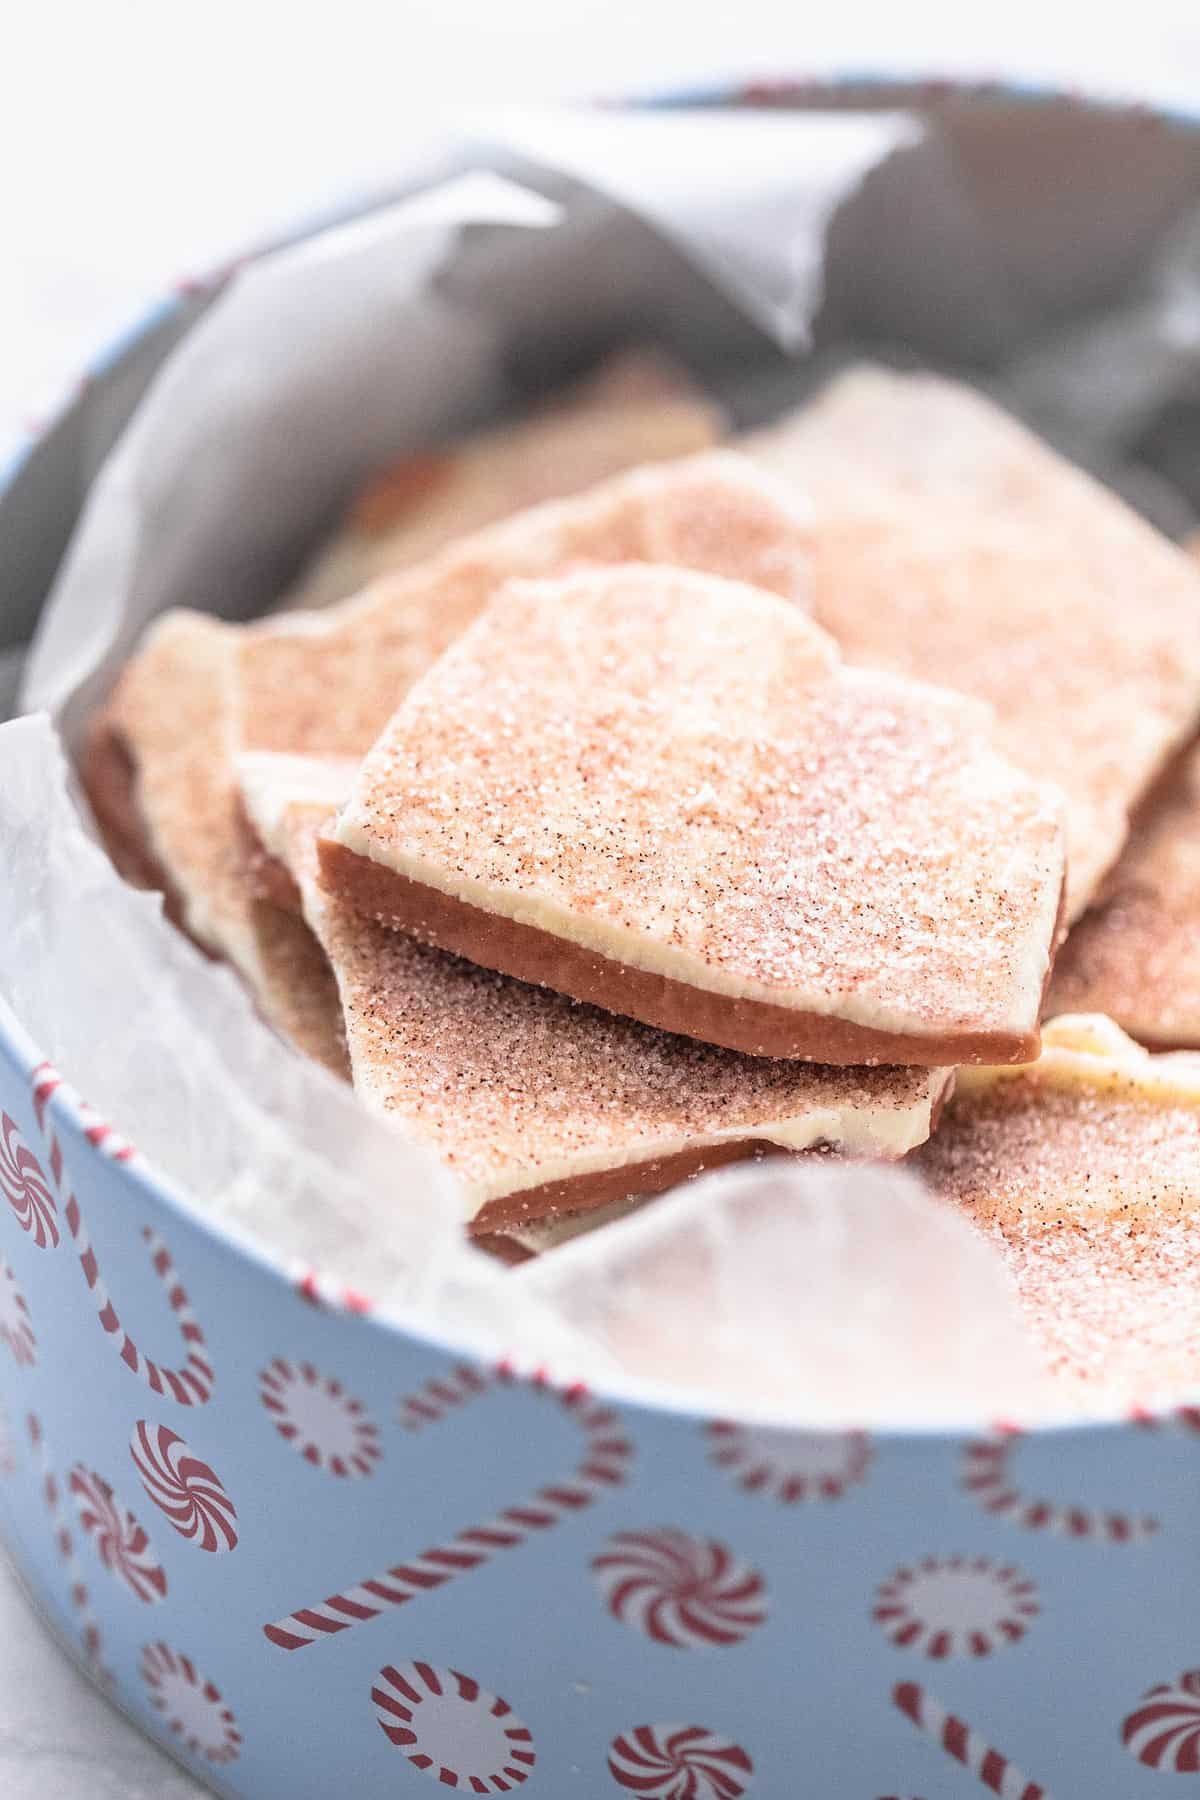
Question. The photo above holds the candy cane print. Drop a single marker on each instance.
(986, 1476)
(89, 1630)
(442, 1395)
(604, 1465)
(966, 1746)
(190, 1385)
(46, 1083)
(319, 1291)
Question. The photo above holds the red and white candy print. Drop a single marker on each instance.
(190, 1385)
(16, 1326)
(315, 1414)
(192, 1707)
(955, 1606)
(99, 1133)
(89, 1629)
(186, 1489)
(452, 1729)
(789, 1466)
(441, 1395)
(1163, 1730)
(121, 1543)
(603, 1465)
(966, 1746)
(25, 1187)
(679, 1762)
(691, 1593)
(988, 1477)
(318, 1290)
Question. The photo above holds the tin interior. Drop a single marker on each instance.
(1019, 215)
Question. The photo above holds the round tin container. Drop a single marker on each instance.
(313, 1554)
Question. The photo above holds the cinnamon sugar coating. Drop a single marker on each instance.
(676, 772)
(326, 684)
(953, 546)
(1085, 1170)
(515, 1087)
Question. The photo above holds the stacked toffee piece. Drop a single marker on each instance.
(632, 805)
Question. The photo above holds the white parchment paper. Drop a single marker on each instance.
(746, 195)
(316, 363)
(289, 388)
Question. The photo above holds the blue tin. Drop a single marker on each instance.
(312, 1553)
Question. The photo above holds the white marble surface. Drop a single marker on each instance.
(59, 1738)
(138, 142)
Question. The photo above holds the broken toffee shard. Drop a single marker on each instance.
(665, 794)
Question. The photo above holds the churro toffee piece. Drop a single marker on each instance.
(158, 773)
(1135, 954)
(152, 770)
(326, 683)
(544, 1107)
(638, 407)
(665, 794)
(1085, 1169)
(953, 546)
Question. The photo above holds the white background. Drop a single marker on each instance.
(141, 139)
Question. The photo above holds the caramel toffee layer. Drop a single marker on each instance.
(557, 1211)
(756, 1028)
(626, 1181)
(109, 777)
(547, 1108)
